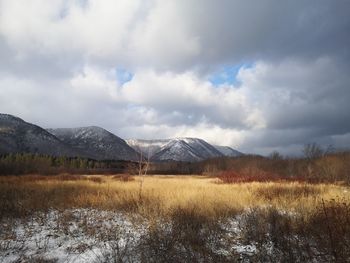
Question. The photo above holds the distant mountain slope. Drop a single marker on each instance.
(147, 147)
(96, 142)
(228, 151)
(205, 149)
(179, 149)
(18, 136)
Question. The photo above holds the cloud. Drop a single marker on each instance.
(133, 33)
(258, 75)
(299, 94)
(174, 35)
(194, 99)
(301, 101)
(181, 102)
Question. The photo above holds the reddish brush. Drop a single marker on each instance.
(230, 177)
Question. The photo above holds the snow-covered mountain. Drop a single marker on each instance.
(96, 142)
(18, 136)
(178, 149)
(147, 147)
(228, 151)
(186, 149)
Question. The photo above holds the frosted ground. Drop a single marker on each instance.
(81, 235)
(86, 235)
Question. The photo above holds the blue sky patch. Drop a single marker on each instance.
(123, 76)
(227, 74)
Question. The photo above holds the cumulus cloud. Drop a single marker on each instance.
(144, 68)
(301, 101)
(175, 34)
(192, 98)
(148, 98)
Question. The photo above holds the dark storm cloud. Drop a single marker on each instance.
(302, 101)
(269, 29)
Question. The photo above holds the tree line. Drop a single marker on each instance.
(26, 163)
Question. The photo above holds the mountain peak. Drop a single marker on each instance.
(96, 142)
(176, 149)
(9, 117)
(18, 136)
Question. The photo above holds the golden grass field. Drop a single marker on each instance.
(171, 219)
(160, 195)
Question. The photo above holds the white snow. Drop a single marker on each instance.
(81, 235)
(177, 149)
(90, 235)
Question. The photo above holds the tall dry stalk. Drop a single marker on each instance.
(143, 171)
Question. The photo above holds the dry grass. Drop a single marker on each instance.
(161, 195)
(188, 217)
(124, 177)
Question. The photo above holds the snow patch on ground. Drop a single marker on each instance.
(81, 235)
(91, 235)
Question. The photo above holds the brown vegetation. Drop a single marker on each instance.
(19, 164)
(188, 217)
(124, 177)
(330, 168)
(160, 196)
(322, 235)
(254, 209)
(314, 168)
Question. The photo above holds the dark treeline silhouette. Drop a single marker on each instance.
(24, 163)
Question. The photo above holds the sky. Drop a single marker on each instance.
(256, 75)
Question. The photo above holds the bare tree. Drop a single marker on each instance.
(312, 151)
(275, 155)
(143, 169)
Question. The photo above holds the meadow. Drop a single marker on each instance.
(124, 218)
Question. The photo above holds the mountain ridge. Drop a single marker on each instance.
(180, 149)
(19, 136)
(228, 151)
(97, 142)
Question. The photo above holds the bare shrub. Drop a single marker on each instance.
(185, 237)
(124, 178)
(331, 168)
(275, 155)
(35, 259)
(330, 230)
(287, 192)
(246, 176)
(185, 218)
(322, 236)
(275, 236)
(96, 179)
(312, 151)
(68, 177)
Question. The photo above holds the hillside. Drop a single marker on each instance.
(96, 142)
(18, 136)
(178, 149)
